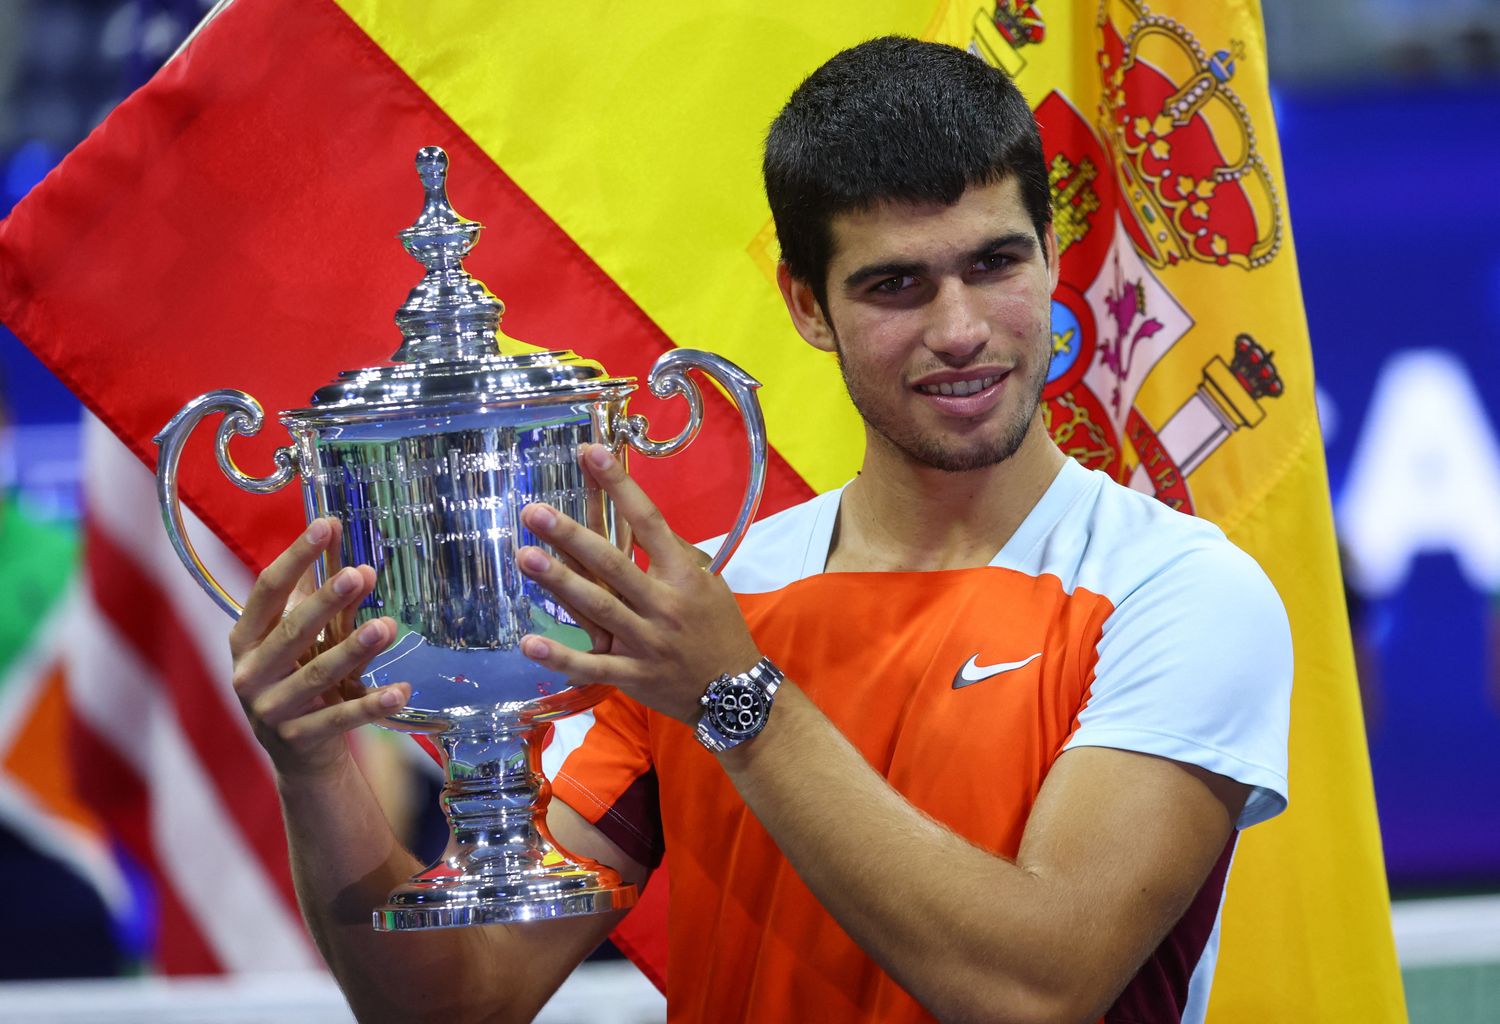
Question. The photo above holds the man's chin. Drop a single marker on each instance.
(950, 449)
(968, 462)
(959, 458)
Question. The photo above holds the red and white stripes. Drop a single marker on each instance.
(162, 752)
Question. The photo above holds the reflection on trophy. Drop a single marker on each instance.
(427, 463)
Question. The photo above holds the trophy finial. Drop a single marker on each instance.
(432, 168)
(449, 316)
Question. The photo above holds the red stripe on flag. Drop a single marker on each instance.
(111, 786)
(146, 619)
(231, 225)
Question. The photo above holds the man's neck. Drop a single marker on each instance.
(901, 516)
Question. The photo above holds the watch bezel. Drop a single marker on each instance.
(730, 722)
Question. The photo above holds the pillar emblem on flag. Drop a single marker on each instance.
(1228, 398)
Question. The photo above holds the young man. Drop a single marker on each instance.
(981, 726)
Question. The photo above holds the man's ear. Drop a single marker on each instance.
(1052, 262)
(807, 314)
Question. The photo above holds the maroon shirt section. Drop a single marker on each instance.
(1158, 993)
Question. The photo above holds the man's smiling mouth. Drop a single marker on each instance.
(959, 387)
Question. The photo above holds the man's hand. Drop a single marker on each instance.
(290, 691)
(666, 632)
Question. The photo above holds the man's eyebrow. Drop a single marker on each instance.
(1023, 243)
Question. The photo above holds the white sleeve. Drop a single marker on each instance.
(1195, 665)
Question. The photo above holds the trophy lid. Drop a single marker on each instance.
(450, 328)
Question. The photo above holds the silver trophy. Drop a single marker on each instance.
(428, 463)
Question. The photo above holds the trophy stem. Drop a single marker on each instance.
(501, 864)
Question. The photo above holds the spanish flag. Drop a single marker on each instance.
(232, 223)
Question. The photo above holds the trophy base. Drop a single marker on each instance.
(433, 901)
(501, 865)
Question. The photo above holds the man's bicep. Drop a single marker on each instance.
(1125, 842)
(1195, 666)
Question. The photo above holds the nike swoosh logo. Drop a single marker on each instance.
(973, 672)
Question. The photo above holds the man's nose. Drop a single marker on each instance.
(958, 326)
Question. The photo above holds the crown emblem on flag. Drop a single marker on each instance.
(1019, 22)
(1190, 173)
(1252, 367)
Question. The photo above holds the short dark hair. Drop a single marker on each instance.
(895, 119)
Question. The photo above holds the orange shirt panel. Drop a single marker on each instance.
(879, 654)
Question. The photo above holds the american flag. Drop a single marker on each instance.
(161, 751)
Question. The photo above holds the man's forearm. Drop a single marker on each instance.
(971, 935)
(345, 861)
(920, 900)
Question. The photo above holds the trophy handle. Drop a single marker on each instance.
(243, 416)
(669, 377)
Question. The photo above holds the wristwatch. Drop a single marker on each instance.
(735, 708)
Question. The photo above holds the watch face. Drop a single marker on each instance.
(738, 710)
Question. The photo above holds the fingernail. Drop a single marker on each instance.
(371, 634)
(535, 648)
(390, 698)
(600, 458)
(345, 582)
(534, 560)
(542, 518)
(317, 531)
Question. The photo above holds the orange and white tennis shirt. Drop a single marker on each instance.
(1106, 620)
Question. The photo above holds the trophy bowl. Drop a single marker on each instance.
(427, 463)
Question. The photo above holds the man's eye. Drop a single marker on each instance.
(892, 285)
(994, 261)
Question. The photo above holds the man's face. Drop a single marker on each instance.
(940, 316)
